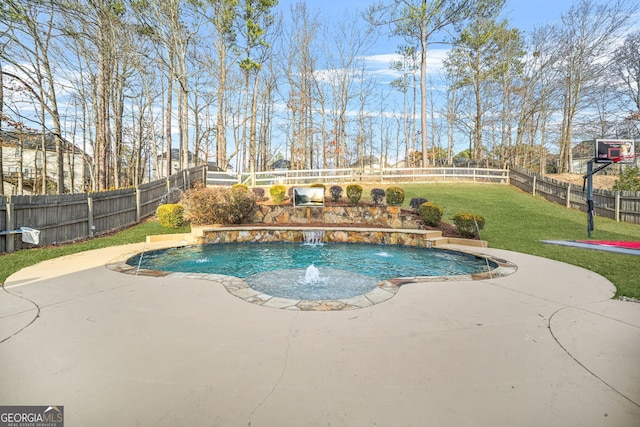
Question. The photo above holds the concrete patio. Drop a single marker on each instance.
(545, 346)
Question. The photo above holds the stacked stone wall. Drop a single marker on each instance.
(375, 216)
(264, 235)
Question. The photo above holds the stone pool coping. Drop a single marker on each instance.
(384, 291)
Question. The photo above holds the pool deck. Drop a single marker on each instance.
(544, 346)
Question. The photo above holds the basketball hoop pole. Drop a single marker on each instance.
(588, 177)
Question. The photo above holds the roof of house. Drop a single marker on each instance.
(33, 141)
(366, 161)
(175, 155)
(281, 164)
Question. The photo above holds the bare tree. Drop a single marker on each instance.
(31, 29)
(626, 68)
(419, 22)
(583, 38)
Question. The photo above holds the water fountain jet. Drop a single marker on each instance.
(312, 274)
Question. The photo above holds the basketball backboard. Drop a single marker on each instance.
(614, 151)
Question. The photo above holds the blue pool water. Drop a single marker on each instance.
(312, 272)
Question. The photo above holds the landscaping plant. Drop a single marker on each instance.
(336, 192)
(199, 205)
(259, 192)
(430, 213)
(468, 225)
(170, 215)
(278, 193)
(377, 195)
(354, 192)
(206, 206)
(395, 196)
(416, 202)
(629, 180)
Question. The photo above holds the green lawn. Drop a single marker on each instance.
(518, 221)
(514, 220)
(10, 263)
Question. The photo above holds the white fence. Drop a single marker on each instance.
(378, 175)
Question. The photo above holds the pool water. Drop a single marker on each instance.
(313, 272)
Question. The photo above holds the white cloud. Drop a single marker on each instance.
(380, 64)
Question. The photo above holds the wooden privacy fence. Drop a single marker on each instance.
(68, 217)
(621, 206)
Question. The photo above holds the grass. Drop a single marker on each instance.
(518, 222)
(10, 263)
(514, 221)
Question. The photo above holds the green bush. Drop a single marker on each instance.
(278, 193)
(354, 192)
(170, 215)
(395, 196)
(468, 225)
(430, 213)
(629, 180)
(206, 206)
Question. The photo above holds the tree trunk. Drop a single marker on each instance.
(423, 93)
(167, 128)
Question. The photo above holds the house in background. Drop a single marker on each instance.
(24, 155)
(367, 163)
(175, 163)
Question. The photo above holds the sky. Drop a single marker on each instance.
(522, 14)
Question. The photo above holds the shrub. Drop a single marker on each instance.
(240, 187)
(629, 180)
(336, 192)
(200, 205)
(377, 195)
(468, 225)
(395, 196)
(170, 215)
(259, 192)
(317, 185)
(278, 193)
(416, 202)
(431, 214)
(240, 205)
(218, 205)
(354, 192)
(290, 192)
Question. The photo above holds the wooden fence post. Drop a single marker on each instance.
(568, 195)
(617, 216)
(533, 190)
(138, 205)
(91, 228)
(11, 225)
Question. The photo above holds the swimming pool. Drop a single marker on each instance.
(297, 270)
